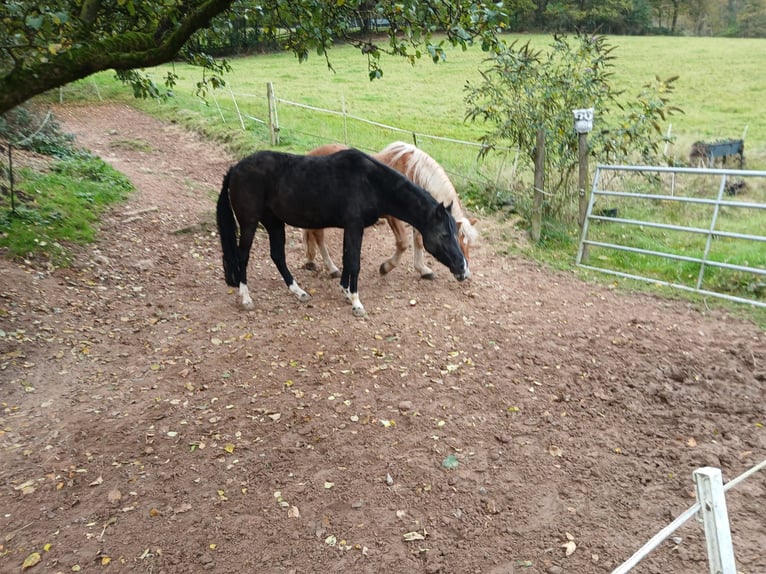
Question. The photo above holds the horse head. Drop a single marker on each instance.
(440, 240)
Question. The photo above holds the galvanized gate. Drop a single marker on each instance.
(701, 230)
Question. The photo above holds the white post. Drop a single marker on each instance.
(345, 120)
(273, 119)
(715, 518)
(236, 107)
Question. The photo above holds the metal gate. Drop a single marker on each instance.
(700, 230)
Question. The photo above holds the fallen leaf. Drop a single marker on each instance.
(293, 512)
(31, 560)
(228, 447)
(569, 547)
(328, 485)
(114, 496)
(24, 485)
(98, 481)
(451, 462)
(554, 450)
(412, 536)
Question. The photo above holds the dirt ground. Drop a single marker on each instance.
(522, 422)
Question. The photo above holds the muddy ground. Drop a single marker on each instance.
(522, 422)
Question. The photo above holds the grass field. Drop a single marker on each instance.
(720, 88)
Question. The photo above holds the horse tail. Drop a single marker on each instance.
(227, 230)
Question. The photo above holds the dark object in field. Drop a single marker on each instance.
(606, 212)
(735, 187)
(704, 154)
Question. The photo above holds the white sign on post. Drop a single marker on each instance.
(583, 120)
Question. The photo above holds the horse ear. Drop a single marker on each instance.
(448, 207)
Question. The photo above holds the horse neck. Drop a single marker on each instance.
(422, 169)
(406, 201)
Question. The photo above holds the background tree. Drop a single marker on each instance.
(524, 90)
(46, 44)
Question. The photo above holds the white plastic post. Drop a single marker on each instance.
(715, 518)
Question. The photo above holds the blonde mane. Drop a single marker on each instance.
(425, 171)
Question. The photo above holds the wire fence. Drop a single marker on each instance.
(280, 121)
(668, 530)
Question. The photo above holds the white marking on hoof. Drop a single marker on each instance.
(298, 292)
(244, 296)
(356, 306)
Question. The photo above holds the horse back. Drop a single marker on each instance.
(311, 192)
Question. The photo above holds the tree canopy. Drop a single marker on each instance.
(46, 44)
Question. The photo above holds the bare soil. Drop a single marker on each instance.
(522, 422)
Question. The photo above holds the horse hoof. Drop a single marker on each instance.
(304, 297)
(248, 305)
(358, 311)
(384, 268)
(430, 276)
(310, 266)
(335, 274)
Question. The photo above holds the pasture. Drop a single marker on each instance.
(718, 87)
(524, 421)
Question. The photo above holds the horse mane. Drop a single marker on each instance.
(425, 171)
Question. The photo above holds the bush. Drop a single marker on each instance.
(28, 129)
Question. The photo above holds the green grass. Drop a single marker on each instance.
(58, 208)
(719, 89)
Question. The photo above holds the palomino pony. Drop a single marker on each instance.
(348, 189)
(422, 169)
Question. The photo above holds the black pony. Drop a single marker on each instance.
(348, 189)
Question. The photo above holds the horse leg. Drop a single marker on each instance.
(310, 243)
(400, 235)
(314, 239)
(246, 236)
(328, 262)
(276, 231)
(352, 248)
(419, 255)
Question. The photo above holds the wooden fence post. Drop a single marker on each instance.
(582, 158)
(273, 119)
(583, 124)
(537, 208)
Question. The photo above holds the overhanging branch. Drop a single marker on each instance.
(124, 52)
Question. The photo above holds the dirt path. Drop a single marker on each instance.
(149, 425)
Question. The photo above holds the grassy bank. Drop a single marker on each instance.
(57, 206)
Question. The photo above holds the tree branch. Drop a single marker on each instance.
(124, 52)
